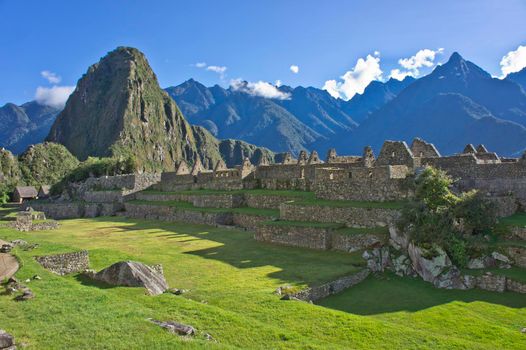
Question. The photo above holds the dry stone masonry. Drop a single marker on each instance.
(63, 264)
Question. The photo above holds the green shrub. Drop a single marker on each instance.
(437, 216)
(476, 214)
(457, 250)
(96, 167)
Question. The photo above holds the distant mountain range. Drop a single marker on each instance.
(308, 117)
(456, 104)
(23, 125)
(118, 109)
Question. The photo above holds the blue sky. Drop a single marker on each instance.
(254, 40)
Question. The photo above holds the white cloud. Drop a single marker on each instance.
(260, 88)
(413, 64)
(51, 77)
(356, 80)
(294, 69)
(278, 83)
(513, 61)
(399, 75)
(55, 96)
(217, 69)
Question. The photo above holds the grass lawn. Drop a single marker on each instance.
(515, 273)
(517, 219)
(256, 192)
(231, 279)
(344, 204)
(190, 206)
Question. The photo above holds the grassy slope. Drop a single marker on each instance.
(236, 277)
(190, 206)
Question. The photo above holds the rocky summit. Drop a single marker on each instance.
(118, 109)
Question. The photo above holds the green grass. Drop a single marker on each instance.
(346, 204)
(362, 230)
(256, 192)
(518, 219)
(302, 224)
(190, 206)
(515, 273)
(231, 279)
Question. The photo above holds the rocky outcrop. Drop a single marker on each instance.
(7, 341)
(175, 327)
(433, 265)
(133, 274)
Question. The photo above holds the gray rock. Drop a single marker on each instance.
(175, 327)
(452, 278)
(476, 263)
(398, 240)
(500, 258)
(7, 341)
(133, 274)
(27, 294)
(428, 268)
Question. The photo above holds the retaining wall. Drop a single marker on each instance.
(350, 216)
(334, 287)
(63, 264)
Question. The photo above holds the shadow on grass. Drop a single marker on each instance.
(238, 248)
(378, 294)
(387, 293)
(86, 281)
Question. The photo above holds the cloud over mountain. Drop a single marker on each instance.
(259, 88)
(411, 66)
(513, 61)
(356, 80)
(55, 96)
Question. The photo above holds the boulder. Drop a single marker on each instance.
(27, 294)
(7, 341)
(398, 240)
(175, 327)
(452, 278)
(482, 262)
(428, 264)
(133, 274)
(500, 257)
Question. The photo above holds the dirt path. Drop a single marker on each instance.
(8, 264)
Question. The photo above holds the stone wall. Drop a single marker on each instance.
(295, 236)
(517, 255)
(355, 242)
(104, 196)
(260, 201)
(128, 183)
(73, 210)
(218, 200)
(504, 205)
(162, 197)
(350, 216)
(63, 264)
(385, 183)
(517, 232)
(395, 153)
(248, 222)
(172, 214)
(334, 287)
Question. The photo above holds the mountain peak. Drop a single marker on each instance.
(455, 58)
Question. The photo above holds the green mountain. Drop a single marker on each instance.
(46, 164)
(118, 109)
